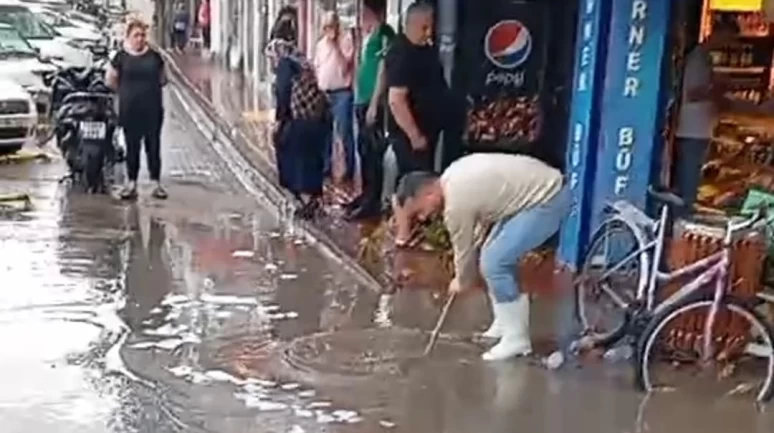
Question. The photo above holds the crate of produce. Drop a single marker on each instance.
(693, 241)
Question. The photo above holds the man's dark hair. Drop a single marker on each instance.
(376, 6)
(412, 183)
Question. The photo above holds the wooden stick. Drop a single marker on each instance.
(439, 324)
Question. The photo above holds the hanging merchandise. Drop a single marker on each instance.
(768, 10)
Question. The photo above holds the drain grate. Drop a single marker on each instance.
(367, 353)
(246, 356)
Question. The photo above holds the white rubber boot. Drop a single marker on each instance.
(514, 319)
(494, 331)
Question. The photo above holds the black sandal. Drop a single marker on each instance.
(159, 193)
(128, 193)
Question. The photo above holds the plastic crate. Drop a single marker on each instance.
(694, 241)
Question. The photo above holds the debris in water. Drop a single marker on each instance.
(318, 404)
(143, 345)
(304, 413)
(307, 394)
(296, 429)
(157, 310)
(263, 405)
(228, 299)
(288, 277)
(221, 376)
(282, 316)
(181, 370)
(324, 418)
(742, 388)
(259, 382)
(244, 254)
(290, 386)
(174, 300)
(269, 308)
(554, 361)
(190, 337)
(170, 344)
(387, 424)
(167, 330)
(345, 415)
(199, 378)
(271, 267)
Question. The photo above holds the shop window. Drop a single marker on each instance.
(741, 156)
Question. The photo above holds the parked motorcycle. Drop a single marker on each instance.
(85, 123)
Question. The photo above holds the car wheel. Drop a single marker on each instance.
(9, 150)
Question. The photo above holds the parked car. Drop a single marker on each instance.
(17, 116)
(58, 5)
(80, 33)
(20, 62)
(42, 36)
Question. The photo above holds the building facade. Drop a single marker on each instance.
(604, 92)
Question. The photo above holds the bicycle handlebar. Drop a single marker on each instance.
(761, 213)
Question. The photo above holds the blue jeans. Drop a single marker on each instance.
(343, 111)
(511, 239)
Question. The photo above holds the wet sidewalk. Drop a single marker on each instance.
(246, 107)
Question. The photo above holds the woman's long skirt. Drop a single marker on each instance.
(299, 153)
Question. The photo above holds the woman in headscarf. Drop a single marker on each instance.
(286, 25)
(302, 124)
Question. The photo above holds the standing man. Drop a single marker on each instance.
(522, 200)
(204, 22)
(417, 95)
(702, 99)
(334, 64)
(179, 31)
(370, 109)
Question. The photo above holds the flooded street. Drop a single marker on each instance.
(212, 312)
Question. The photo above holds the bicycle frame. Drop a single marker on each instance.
(713, 267)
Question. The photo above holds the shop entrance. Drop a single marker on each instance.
(740, 157)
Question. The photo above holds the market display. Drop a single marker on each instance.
(504, 120)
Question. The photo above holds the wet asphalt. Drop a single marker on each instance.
(210, 312)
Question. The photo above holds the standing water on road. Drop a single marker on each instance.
(204, 313)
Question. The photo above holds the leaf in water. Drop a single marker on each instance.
(742, 388)
(727, 371)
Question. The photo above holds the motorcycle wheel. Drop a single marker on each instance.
(93, 163)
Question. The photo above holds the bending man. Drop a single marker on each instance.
(522, 199)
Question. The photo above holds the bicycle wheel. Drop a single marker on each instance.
(603, 318)
(670, 351)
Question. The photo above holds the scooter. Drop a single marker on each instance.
(85, 122)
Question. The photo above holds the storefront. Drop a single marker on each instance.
(741, 157)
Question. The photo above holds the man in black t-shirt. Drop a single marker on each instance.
(417, 93)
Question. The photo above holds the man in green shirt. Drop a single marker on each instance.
(369, 106)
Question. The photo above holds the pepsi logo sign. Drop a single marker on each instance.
(508, 44)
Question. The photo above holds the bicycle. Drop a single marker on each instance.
(643, 318)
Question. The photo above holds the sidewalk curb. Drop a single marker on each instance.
(258, 174)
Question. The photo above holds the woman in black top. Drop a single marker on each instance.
(137, 72)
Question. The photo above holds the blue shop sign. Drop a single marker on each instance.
(632, 104)
(584, 124)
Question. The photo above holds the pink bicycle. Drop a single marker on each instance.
(700, 331)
